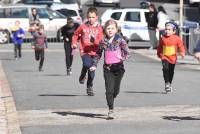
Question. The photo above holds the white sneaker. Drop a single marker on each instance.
(110, 115)
(168, 87)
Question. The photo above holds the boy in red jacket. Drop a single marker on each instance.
(90, 34)
(167, 52)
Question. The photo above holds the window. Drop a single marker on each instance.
(133, 16)
(116, 16)
(42, 13)
(14, 13)
(69, 1)
(68, 13)
(54, 14)
(19, 13)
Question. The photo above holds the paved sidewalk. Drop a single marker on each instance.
(9, 123)
(189, 61)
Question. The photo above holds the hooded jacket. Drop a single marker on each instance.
(85, 32)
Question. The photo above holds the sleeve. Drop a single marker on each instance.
(76, 35)
(180, 46)
(99, 37)
(22, 31)
(125, 50)
(159, 48)
(46, 42)
(98, 55)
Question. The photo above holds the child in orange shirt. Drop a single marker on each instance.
(167, 52)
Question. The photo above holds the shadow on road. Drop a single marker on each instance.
(178, 118)
(145, 92)
(55, 74)
(61, 95)
(91, 115)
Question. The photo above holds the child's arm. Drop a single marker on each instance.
(181, 47)
(125, 50)
(159, 48)
(46, 42)
(99, 37)
(97, 56)
(75, 37)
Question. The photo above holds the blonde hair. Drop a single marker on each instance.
(110, 22)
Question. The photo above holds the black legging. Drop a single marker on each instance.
(39, 55)
(17, 50)
(168, 71)
(68, 55)
(112, 85)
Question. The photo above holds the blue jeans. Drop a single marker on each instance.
(87, 63)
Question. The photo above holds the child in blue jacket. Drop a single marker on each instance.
(17, 38)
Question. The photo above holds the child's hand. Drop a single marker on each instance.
(74, 46)
(32, 47)
(197, 55)
(93, 68)
(182, 56)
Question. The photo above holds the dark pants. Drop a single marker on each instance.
(39, 55)
(112, 85)
(68, 55)
(87, 63)
(17, 50)
(168, 71)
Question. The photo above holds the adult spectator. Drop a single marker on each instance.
(152, 22)
(34, 18)
(162, 19)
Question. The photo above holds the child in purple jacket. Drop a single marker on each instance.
(17, 39)
(115, 52)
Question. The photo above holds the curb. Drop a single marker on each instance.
(7, 107)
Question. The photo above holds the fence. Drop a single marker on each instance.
(190, 38)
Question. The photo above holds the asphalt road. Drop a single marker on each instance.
(50, 102)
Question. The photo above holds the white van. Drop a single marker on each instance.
(51, 20)
(115, 2)
(131, 20)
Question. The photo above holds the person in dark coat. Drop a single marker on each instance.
(152, 22)
(67, 32)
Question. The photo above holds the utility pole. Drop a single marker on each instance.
(181, 18)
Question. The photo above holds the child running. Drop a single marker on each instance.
(17, 38)
(67, 32)
(40, 44)
(90, 34)
(115, 52)
(167, 52)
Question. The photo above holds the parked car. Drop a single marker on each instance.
(57, 4)
(52, 20)
(115, 2)
(72, 14)
(131, 20)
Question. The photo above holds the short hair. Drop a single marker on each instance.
(70, 19)
(92, 10)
